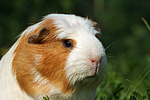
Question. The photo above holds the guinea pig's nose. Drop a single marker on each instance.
(95, 61)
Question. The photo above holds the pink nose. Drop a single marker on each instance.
(95, 62)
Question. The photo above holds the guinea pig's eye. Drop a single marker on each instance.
(67, 43)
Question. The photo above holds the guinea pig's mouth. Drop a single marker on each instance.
(95, 72)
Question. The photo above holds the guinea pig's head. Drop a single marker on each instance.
(58, 53)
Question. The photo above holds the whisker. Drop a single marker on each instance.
(112, 44)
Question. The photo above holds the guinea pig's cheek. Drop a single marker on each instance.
(103, 65)
(38, 58)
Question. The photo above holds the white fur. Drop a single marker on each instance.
(9, 88)
(78, 65)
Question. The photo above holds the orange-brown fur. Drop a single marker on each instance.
(50, 66)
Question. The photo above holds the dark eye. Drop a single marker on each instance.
(67, 43)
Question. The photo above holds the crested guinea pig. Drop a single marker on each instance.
(59, 57)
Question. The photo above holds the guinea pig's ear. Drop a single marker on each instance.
(96, 26)
(38, 39)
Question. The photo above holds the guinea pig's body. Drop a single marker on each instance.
(59, 57)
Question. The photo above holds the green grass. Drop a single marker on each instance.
(46, 98)
(146, 23)
(113, 88)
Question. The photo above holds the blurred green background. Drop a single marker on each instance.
(124, 34)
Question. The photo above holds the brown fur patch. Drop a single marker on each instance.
(47, 59)
(96, 26)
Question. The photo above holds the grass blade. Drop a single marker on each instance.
(146, 23)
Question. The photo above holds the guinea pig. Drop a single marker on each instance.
(60, 58)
